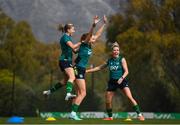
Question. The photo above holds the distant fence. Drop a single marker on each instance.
(147, 115)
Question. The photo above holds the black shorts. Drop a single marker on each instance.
(79, 72)
(113, 85)
(64, 64)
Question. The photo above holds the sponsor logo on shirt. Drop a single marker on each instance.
(113, 67)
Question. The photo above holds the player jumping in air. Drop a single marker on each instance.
(81, 62)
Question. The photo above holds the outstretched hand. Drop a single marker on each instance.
(105, 19)
(96, 19)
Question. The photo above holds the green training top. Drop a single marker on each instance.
(115, 67)
(84, 54)
(66, 50)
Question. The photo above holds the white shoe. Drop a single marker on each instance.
(69, 96)
(46, 93)
(74, 116)
(141, 117)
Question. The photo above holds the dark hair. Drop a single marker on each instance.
(84, 36)
(65, 28)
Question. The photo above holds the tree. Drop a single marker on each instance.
(151, 46)
(18, 46)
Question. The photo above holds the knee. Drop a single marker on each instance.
(83, 94)
(72, 78)
(62, 82)
(108, 100)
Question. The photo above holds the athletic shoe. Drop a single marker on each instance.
(141, 118)
(73, 116)
(69, 96)
(109, 118)
(46, 93)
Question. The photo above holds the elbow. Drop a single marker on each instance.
(74, 48)
(75, 51)
(98, 68)
(127, 72)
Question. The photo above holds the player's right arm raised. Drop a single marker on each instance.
(97, 68)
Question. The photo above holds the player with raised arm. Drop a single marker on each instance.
(118, 70)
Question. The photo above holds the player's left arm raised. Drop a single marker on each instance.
(99, 32)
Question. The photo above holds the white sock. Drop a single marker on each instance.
(73, 113)
(139, 114)
(49, 92)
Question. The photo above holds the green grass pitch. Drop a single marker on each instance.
(35, 120)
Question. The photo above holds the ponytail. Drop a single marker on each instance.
(64, 28)
(61, 28)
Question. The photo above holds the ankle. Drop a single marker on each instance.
(139, 115)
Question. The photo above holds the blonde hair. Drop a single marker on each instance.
(115, 44)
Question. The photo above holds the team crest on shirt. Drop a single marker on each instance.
(80, 75)
(89, 52)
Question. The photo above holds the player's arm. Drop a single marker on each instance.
(125, 67)
(99, 32)
(97, 68)
(95, 21)
(73, 46)
(76, 46)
